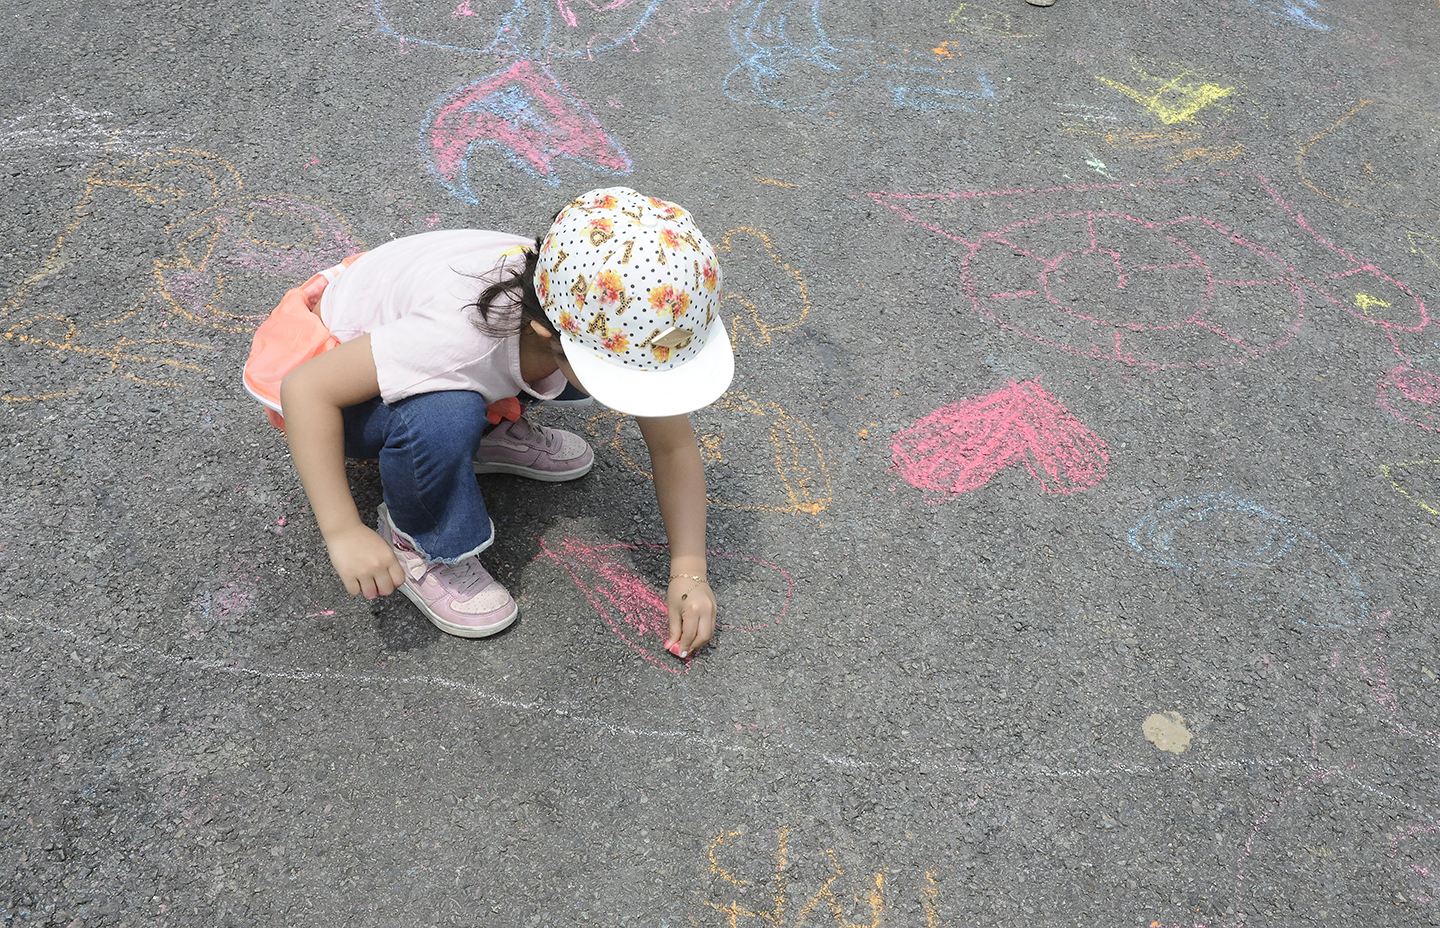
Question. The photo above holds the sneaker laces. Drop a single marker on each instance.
(549, 438)
(462, 579)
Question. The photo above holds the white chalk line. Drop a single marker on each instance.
(931, 766)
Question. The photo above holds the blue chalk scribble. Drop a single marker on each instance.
(1269, 540)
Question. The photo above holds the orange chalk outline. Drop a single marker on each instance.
(822, 900)
(800, 474)
(217, 177)
(1300, 161)
(757, 330)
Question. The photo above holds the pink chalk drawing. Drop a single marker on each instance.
(282, 236)
(462, 10)
(631, 607)
(1419, 860)
(958, 448)
(528, 115)
(1411, 396)
(1181, 290)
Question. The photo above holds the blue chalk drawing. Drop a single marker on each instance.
(1297, 13)
(1272, 539)
(931, 98)
(789, 62)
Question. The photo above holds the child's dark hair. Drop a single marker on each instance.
(494, 313)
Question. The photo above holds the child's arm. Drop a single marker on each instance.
(312, 396)
(680, 490)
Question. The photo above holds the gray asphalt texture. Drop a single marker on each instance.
(1083, 407)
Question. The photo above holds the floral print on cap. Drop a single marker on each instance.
(617, 270)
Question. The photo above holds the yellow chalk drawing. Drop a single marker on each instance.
(986, 24)
(819, 902)
(1171, 100)
(1396, 473)
(134, 341)
(1367, 133)
(799, 462)
(1366, 302)
(772, 181)
(755, 325)
(1427, 246)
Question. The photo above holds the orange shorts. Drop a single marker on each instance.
(292, 335)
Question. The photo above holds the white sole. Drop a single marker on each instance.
(519, 470)
(459, 631)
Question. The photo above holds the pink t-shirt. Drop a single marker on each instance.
(409, 295)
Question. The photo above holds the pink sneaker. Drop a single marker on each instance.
(533, 451)
(461, 599)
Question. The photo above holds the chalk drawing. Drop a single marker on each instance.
(223, 237)
(742, 288)
(166, 655)
(281, 236)
(803, 476)
(1151, 292)
(1373, 653)
(227, 604)
(537, 29)
(1426, 246)
(1418, 851)
(1322, 851)
(976, 22)
(1375, 158)
(1173, 99)
(60, 124)
(958, 448)
(1239, 543)
(789, 62)
(1294, 12)
(1417, 481)
(524, 113)
(1411, 396)
(811, 902)
(633, 609)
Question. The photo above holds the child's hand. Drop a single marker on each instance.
(364, 562)
(692, 608)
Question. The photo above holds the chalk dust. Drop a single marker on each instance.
(1167, 731)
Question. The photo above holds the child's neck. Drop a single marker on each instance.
(536, 360)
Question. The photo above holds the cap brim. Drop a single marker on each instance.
(690, 386)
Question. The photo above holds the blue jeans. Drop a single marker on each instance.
(426, 445)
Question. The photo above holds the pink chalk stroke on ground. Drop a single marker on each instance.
(958, 448)
(631, 607)
(528, 115)
(1411, 396)
(1158, 286)
(278, 236)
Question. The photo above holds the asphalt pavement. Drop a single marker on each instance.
(1073, 512)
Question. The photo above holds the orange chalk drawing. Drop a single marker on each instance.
(1173, 99)
(1407, 476)
(804, 478)
(943, 50)
(816, 901)
(757, 325)
(1387, 142)
(1211, 154)
(226, 236)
